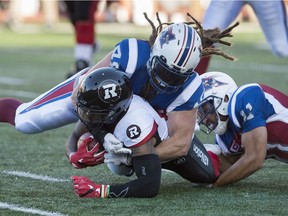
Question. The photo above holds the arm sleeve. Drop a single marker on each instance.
(147, 184)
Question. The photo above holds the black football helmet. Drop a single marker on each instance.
(103, 95)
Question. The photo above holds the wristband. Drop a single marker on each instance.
(105, 190)
(70, 155)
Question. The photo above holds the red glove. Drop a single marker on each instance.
(85, 188)
(83, 158)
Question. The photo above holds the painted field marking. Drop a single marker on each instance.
(30, 210)
(33, 176)
(12, 81)
(269, 68)
(12, 207)
(18, 93)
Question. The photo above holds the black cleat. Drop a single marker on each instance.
(78, 66)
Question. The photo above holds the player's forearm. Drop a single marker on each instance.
(243, 168)
(148, 171)
(71, 145)
(181, 128)
(173, 147)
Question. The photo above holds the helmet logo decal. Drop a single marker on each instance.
(210, 82)
(109, 91)
(133, 131)
(167, 36)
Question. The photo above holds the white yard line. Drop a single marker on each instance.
(252, 67)
(28, 210)
(18, 93)
(33, 176)
(12, 81)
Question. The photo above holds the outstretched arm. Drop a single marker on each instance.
(181, 128)
(147, 167)
(254, 142)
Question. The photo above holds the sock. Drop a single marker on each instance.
(85, 41)
(8, 108)
(84, 52)
(85, 32)
(215, 162)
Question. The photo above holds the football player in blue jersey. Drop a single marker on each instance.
(161, 71)
(250, 123)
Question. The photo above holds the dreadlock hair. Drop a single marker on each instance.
(208, 36)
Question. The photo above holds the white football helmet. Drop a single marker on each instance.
(174, 55)
(219, 88)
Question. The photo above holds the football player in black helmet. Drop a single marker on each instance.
(103, 97)
(105, 101)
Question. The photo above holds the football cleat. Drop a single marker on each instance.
(78, 66)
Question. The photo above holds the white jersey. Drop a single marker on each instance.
(139, 124)
(271, 15)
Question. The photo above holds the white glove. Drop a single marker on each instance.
(117, 159)
(113, 145)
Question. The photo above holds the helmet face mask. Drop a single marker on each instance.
(174, 55)
(91, 118)
(165, 79)
(103, 95)
(213, 110)
(208, 117)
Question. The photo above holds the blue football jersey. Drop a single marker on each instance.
(131, 55)
(252, 106)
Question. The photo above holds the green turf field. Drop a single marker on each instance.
(35, 173)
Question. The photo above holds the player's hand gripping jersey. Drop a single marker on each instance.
(253, 106)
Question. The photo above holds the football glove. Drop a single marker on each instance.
(83, 158)
(113, 145)
(85, 188)
(117, 159)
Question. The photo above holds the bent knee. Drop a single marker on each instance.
(27, 128)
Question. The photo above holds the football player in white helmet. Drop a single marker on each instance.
(174, 55)
(216, 98)
(250, 122)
